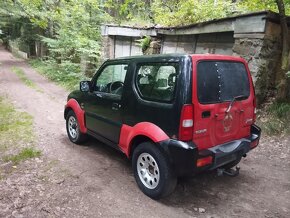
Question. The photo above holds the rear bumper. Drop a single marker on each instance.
(184, 156)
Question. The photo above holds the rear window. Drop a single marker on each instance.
(219, 81)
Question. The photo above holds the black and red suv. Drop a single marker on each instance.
(173, 115)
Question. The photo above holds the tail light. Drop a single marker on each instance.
(204, 161)
(255, 109)
(186, 123)
(254, 144)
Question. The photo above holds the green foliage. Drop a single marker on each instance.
(183, 12)
(24, 154)
(260, 5)
(276, 119)
(77, 32)
(281, 110)
(144, 43)
(70, 29)
(134, 11)
(66, 74)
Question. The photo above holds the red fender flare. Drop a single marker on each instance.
(147, 129)
(80, 113)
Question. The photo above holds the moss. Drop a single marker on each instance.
(144, 43)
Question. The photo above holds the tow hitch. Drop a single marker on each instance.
(229, 172)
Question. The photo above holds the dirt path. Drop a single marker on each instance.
(94, 180)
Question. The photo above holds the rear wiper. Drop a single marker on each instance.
(237, 98)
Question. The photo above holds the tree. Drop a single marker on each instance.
(70, 28)
(282, 87)
(129, 11)
(184, 12)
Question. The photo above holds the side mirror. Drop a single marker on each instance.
(85, 86)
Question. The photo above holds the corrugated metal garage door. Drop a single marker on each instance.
(178, 44)
(126, 46)
(215, 43)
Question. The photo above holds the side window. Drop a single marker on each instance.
(157, 81)
(111, 80)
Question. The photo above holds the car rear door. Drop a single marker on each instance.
(223, 101)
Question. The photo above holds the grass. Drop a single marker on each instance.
(24, 154)
(15, 126)
(66, 74)
(16, 134)
(275, 118)
(20, 73)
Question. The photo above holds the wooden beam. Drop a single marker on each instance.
(127, 31)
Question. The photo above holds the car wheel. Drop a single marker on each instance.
(73, 129)
(152, 171)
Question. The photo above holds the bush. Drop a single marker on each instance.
(66, 73)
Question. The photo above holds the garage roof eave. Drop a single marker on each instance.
(245, 23)
(109, 30)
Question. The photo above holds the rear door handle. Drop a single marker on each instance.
(205, 114)
(116, 106)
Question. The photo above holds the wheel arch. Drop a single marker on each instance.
(66, 110)
(137, 140)
(73, 105)
(131, 137)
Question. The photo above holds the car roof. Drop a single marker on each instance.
(152, 56)
(182, 55)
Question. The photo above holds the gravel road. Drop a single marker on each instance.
(94, 180)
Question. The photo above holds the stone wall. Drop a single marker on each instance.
(14, 48)
(107, 49)
(263, 56)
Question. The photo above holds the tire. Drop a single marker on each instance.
(73, 129)
(152, 171)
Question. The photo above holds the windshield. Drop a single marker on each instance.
(220, 81)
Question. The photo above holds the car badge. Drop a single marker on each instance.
(227, 122)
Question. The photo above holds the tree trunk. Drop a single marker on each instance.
(282, 86)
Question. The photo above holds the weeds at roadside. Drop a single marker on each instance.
(20, 73)
(275, 119)
(16, 134)
(24, 154)
(15, 127)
